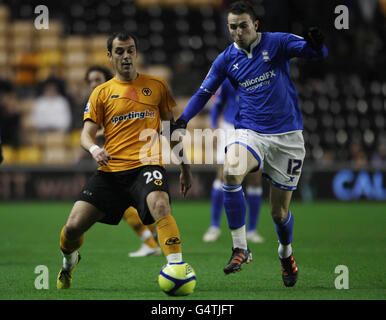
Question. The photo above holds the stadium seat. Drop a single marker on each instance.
(99, 57)
(4, 13)
(74, 58)
(74, 43)
(97, 42)
(9, 155)
(54, 138)
(173, 3)
(74, 74)
(29, 155)
(21, 28)
(3, 28)
(148, 3)
(74, 138)
(204, 3)
(4, 57)
(161, 71)
(49, 42)
(56, 156)
(55, 29)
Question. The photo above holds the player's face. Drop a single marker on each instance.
(242, 29)
(123, 56)
(95, 78)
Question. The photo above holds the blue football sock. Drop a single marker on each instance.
(284, 229)
(217, 201)
(254, 196)
(235, 205)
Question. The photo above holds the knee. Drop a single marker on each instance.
(279, 214)
(159, 205)
(230, 178)
(72, 231)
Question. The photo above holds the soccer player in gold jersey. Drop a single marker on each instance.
(95, 76)
(129, 173)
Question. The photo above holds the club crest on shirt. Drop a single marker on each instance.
(265, 55)
(146, 91)
(87, 109)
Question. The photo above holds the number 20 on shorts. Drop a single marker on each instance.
(150, 176)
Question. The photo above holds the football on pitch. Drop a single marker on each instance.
(177, 279)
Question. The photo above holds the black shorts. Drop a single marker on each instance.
(114, 192)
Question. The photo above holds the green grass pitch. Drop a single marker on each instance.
(326, 234)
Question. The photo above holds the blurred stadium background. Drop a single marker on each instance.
(343, 99)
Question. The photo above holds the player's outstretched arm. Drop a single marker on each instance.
(195, 105)
(87, 141)
(310, 46)
(185, 179)
(185, 175)
(217, 108)
(209, 86)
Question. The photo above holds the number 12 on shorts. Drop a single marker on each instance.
(294, 166)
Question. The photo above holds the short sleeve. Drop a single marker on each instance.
(94, 108)
(167, 102)
(296, 46)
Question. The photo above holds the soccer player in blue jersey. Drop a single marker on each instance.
(268, 125)
(225, 104)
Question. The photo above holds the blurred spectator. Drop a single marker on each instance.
(328, 158)
(378, 159)
(97, 75)
(10, 118)
(26, 67)
(1, 152)
(94, 76)
(347, 99)
(51, 111)
(357, 155)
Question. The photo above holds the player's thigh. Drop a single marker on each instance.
(254, 179)
(82, 216)
(219, 173)
(284, 159)
(151, 194)
(279, 201)
(239, 161)
(158, 203)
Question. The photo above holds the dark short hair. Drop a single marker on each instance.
(107, 73)
(122, 36)
(240, 7)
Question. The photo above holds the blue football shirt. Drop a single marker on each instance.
(226, 103)
(268, 101)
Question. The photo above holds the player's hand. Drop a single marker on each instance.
(185, 180)
(314, 38)
(178, 124)
(101, 156)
